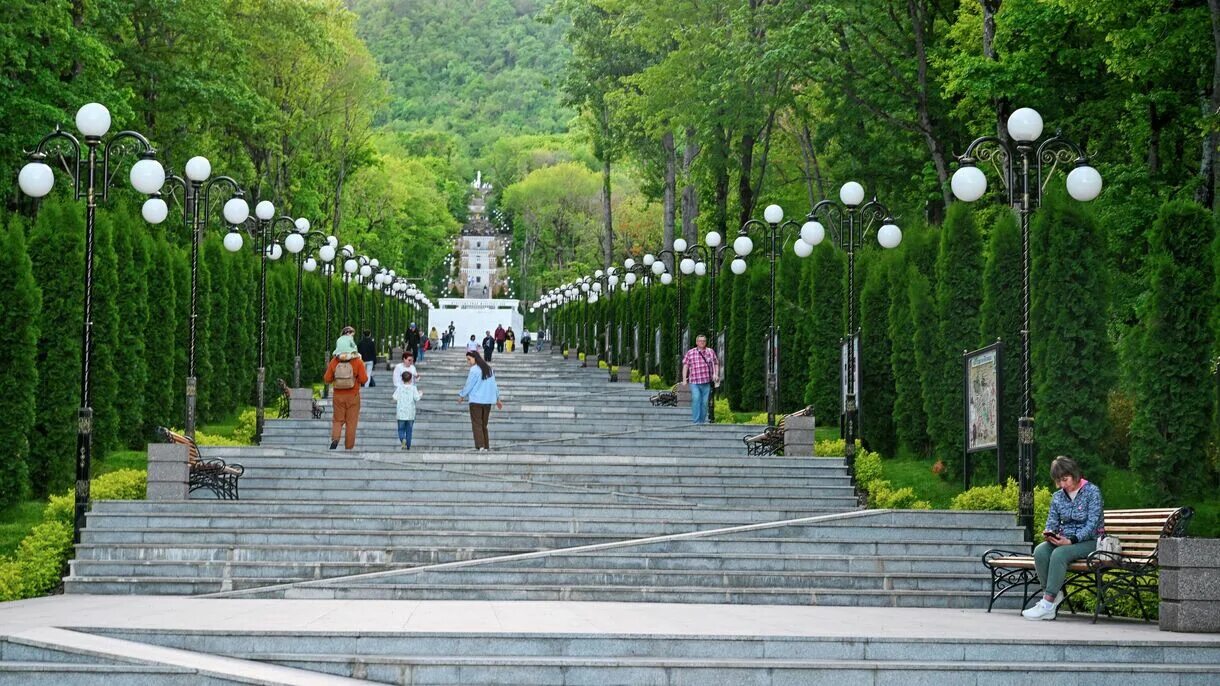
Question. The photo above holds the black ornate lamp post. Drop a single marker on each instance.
(849, 221)
(196, 184)
(700, 260)
(1025, 164)
(261, 230)
(647, 268)
(743, 245)
(301, 242)
(603, 284)
(36, 180)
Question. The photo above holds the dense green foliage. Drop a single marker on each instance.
(1000, 319)
(19, 325)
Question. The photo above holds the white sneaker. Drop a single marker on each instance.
(1058, 599)
(1043, 610)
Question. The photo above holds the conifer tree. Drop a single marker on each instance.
(20, 320)
(1073, 362)
(106, 354)
(1174, 396)
(791, 311)
(753, 337)
(924, 331)
(877, 417)
(910, 421)
(215, 397)
(180, 261)
(1000, 318)
(738, 342)
(161, 337)
(131, 253)
(959, 273)
(826, 331)
(57, 253)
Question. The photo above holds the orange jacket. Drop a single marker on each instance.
(358, 369)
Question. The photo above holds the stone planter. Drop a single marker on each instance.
(300, 406)
(683, 392)
(168, 471)
(798, 436)
(1190, 584)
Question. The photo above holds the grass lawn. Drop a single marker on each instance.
(917, 473)
(16, 521)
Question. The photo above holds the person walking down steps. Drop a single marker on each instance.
(481, 391)
(345, 374)
(405, 397)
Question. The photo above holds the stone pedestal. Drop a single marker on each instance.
(168, 471)
(1190, 584)
(590, 361)
(300, 406)
(395, 357)
(683, 391)
(798, 436)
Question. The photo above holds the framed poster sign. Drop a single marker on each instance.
(983, 399)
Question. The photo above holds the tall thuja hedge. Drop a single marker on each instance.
(160, 334)
(131, 250)
(19, 325)
(109, 362)
(180, 262)
(57, 253)
(1000, 317)
(736, 333)
(924, 336)
(752, 337)
(1174, 395)
(792, 314)
(910, 420)
(877, 417)
(215, 396)
(1073, 363)
(826, 327)
(959, 270)
(279, 326)
(697, 310)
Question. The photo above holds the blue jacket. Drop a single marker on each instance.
(1078, 519)
(478, 389)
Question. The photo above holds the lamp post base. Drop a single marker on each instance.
(1025, 476)
(260, 416)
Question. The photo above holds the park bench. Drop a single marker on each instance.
(664, 399)
(210, 473)
(1108, 576)
(771, 440)
(285, 411)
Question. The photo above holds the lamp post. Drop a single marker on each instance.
(198, 183)
(849, 221)
(300, 242)
(36, 180)
(1025, 165)
(649, 266)
(743, 245)
(700, 260)
(260, 230)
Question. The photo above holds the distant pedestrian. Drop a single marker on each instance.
(346, 374)
(472, 346)
(368, 354)
(501, 336)
(525, 343)
(407, 365)
(541, 339)
(489, 346)
(700, 370)
(510, 339)
(412, 342)
(434, 339)
(405, 397)
(481, 392)
(452, 334)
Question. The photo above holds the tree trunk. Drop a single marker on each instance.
(1002, 107)
(1206, 195)
(690, 193)
(720, 174)
(607, 216)
(745, 189)
(671, 192)
(919, 19)
(813, 170)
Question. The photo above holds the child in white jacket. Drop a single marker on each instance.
(406, 395)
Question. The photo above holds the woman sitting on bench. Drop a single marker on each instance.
(1072, 526)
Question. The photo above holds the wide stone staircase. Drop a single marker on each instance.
(590, 498)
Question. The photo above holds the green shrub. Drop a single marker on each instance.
(835, 448)
(760, 418)
(655, 380)
(213, 439)
(246, 421)
(882, 495)
(724, 415)
(1002, 498)
(868, 467)
(36, 567)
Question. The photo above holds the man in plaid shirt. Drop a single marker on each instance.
(700, 370)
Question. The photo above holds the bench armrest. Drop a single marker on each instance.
(998, 553)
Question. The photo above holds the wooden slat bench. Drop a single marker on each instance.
(771, 440)
(1107, 576)
(210, 473)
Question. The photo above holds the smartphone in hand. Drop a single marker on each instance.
(1049, 534)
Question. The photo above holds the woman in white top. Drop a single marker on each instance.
(407, 365)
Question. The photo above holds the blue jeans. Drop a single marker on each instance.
(699, 393)
(405, 427)
(421, 353)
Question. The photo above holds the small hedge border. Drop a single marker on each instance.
(37, 566)
(881, 493)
